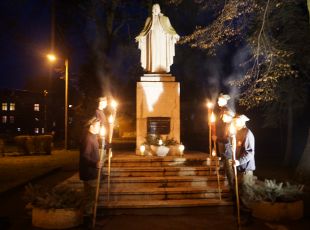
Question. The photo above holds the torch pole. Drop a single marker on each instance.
(111, 127)
(234, 142)
(218, 177)
(102, 154)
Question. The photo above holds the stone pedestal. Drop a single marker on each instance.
(158, 96)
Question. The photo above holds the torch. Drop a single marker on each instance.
(210, 107)
(212, 120)
(101, 157)
(111, 120)
(233, 131)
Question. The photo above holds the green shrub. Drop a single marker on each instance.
(62, 196)
(271, 191)
(34, 144)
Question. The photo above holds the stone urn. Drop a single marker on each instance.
(278, 211)
(160, 151)
(56, 218)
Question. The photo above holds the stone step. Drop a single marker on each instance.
(169, 181)
(162, 203)
(163, 171)
(209, 192)
(162, 162)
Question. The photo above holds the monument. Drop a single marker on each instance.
(158, 94)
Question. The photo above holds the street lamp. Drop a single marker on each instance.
(52, 58)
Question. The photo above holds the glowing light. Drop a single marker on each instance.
(114, 104)
(51, 57)
(210, 105)
(142, 149)
(102, 132)
(221, 102)
(181, 147)
(111, 119)
(212, 118)
(160, 142)
(152, 92)
(213, 152)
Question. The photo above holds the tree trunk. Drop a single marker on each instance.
(303, 169)
(289, 136)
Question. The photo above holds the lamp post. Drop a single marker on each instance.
(52, 58)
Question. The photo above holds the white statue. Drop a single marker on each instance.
(156, 42)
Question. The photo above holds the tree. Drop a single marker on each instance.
(273, 69)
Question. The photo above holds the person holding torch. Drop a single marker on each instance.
(89, 164)
(245, 149)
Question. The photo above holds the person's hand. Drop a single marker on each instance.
(100, 164)
(213, 138)
(236, 163)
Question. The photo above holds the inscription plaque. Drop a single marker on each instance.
(158, 125)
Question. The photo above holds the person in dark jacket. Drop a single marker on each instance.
(90, 162)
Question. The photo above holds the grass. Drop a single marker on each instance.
(17, 170)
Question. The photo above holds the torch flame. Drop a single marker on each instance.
(213, 152)
(102, 131)
(209, 105)
(114, 104)
(111, 119)
(212, 118)
(160, 142)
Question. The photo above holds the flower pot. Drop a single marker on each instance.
(278, 210)
(56, 218)
(162, 151)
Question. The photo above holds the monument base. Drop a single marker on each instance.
(158, 103)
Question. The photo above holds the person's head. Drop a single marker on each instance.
(156, 9)
(93, 125)
(223, 99)
(240, 121)
(103, 103)
(228, 116)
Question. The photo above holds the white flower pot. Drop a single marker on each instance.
(162, 151)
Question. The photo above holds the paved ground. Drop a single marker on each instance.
(14, 216)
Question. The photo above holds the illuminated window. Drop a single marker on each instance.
(4, 119)
(36, 107)
(42, 130)
(11, 119)
(4, 106)
(36, 130)
(12, 106)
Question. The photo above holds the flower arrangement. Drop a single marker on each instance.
(157, 140)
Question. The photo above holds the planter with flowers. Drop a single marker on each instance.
(58, 208)
(273, 201)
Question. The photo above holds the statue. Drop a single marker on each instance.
(156, 42)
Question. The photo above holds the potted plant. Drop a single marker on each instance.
(158, 145)
(58, 208)
(274, 201)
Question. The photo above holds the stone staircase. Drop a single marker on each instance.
(155, 182)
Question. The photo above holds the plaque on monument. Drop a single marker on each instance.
(158, 125)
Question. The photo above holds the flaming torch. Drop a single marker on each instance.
(111, 121)
(102, 134)
(233, 132)
(210, 107)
